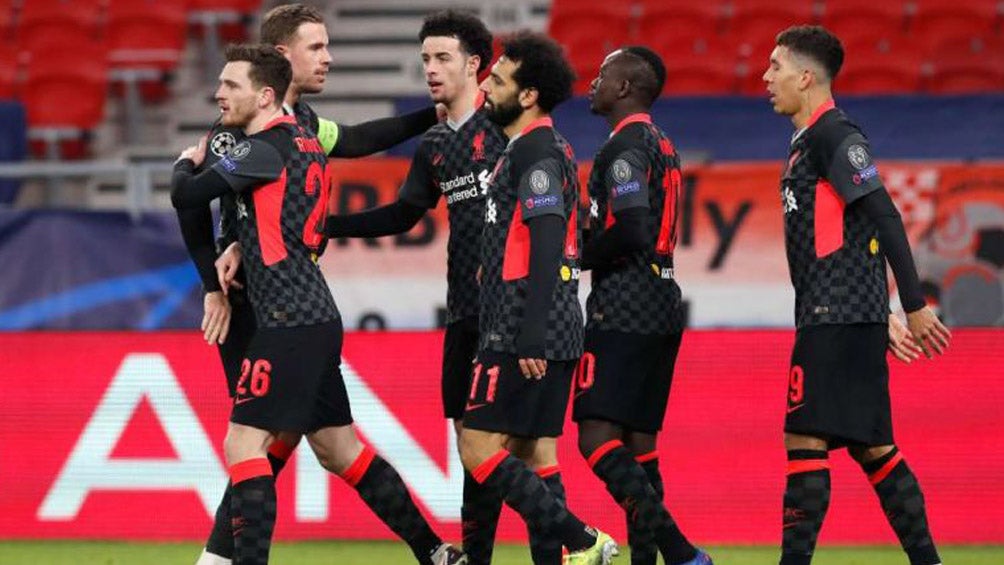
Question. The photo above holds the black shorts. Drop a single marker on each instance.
(838, 385)
(242, 327)
(625, 379)
(290, 380)
(502, 400)
(460, 347)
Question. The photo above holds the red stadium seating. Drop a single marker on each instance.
(940, 21)
(589, 32)
(968, 65)
(881, 67)
(753, 18)
(700, 74)
(657, 19)
(228, 16)
(864, 18)
(9, 71)
(65, 21)
(147, 38)
(68, 92)
(6, 19)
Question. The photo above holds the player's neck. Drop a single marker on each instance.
(618, 114)
(525, 119)
(292, 96)
(263, 118)
(814, 98)
(463, 104)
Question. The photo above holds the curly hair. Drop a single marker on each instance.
(468, 29)
(816, 43)
(542, 66)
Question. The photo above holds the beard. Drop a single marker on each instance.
(505, 113)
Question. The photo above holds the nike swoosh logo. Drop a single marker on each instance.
(796, 407)
(243, 400)
(474, 406)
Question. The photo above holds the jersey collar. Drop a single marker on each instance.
(818, 113)
(286, 119)
(544, 122)
(640, 117)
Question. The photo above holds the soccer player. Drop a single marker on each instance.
(634, 313)
(840, 228)
(530, 323)
(290, 379)
(453, 161)
(299, 33)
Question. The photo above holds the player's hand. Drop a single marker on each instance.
(928, 331)
(216, 317)
(226, 267)
(533, 368)
(901, 343)
(197, 152)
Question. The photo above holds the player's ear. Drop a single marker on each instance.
(473, 63)
(528, 97)
(284, 49)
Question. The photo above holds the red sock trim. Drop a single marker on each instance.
(603, 450)
(358, 468)
(880, 475)
(807, 465)
(250, 469)
(646, 457)
(487, 467)
(545, 472)
(281, 450)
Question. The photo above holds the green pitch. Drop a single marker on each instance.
(381, 553)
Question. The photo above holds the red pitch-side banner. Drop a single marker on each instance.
(118, 436)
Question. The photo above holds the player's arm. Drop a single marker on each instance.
(373, 136)
(417, 194)
(251, 163)
(626, 183)
(197, 232)
(852, 173)
(542, 207)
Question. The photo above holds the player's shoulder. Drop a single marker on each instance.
(222, 139)
(832, 128)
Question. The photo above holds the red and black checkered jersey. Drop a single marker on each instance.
(456, 164)
(536, 175)
(638, 167)
(833, 252)
(277, 222)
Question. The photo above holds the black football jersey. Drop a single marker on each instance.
(836, 266)
(456, 164)
(276, 222)
(638, 167)
(536, 175)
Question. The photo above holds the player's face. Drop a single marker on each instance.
(502, 93)
(783, 77)
(603, 90)
(308, 55)
(236, 96)
(447, 68)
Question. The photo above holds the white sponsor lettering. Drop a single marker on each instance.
(458, 182)
(90, 467)
(788, 201)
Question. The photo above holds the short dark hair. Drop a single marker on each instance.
(281, 23)
(817, 43)
(468, 29)
(542, 66)
(268, 66)
(650, 83)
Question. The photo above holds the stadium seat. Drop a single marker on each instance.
(864, 18)
(752, 18)
(68, 92)
(657, 19)
(881, 67)
(968, 66)
(6, 19)
(707, 73)
(9, 71)
(146, 33)
(65, 21)
(940, 21)
(588, 33)
(229, 18)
